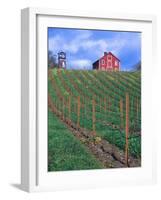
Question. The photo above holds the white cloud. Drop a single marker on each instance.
(95, 46)
(80, 64)
(73, 45)
(83, 40)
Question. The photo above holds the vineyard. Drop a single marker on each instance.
(101, 111)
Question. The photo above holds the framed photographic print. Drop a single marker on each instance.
(86, 99)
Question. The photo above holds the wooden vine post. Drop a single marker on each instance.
(69, 107)
(78, 111)
(127, 130)
(93, 116)
(121, 113)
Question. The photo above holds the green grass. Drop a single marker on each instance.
(110, 85)
(118, 138)
(65, 152)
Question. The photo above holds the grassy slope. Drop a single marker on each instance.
(65, 152)
(131, 81)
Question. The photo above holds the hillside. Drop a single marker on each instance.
(93, 104)
(137, 66)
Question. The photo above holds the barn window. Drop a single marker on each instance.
(109, 57)
(103, 62)
(116, 63)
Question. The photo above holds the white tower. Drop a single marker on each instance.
(62, 60)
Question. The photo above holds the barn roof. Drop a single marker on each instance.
(96, 61)
(107, 54)
(113, 55)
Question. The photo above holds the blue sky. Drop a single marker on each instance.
(83, 47)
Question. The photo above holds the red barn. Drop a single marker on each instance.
(108, 62)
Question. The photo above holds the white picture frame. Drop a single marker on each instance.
(34, 176)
